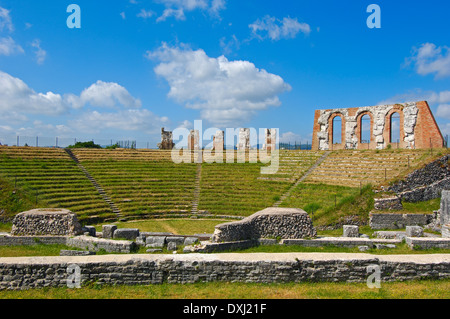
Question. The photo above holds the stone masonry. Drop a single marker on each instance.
(418, 128)
(37, 272)
(38, 222)
(166, 140)
(272, 222)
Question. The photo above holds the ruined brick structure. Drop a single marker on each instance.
(218, 141)
(418, 128)
(270, 136)
(166, 140)
(193, 140)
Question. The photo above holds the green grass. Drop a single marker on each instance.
(423, 289)
(176, 226)
(401, 249)
(32, 250)
(326, 204)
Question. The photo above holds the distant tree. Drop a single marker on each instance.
(113, 147)
(89, 144)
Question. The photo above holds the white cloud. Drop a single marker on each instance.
(40, 53)
(226, 92)
(276, 29)
(178, 14)
(104, 94)
(431, 59)
(441, 99)
(16, 95)
(9, 47)
(443, 111)
(128, 120)
(122, 14)
(5, 20)
(145, 14)
(177, 8)
(21, 109)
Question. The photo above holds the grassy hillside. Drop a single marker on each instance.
(48, 178)
(147, 184)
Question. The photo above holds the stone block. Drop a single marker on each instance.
(190, 241)
(391, 203)
(126, 233)
(90, 230)
(267, 241)
(154, 250)
(175, 239)
(445, 207)
(445, 231)
(108, 231)
(76, 253)
(414, 231)
(46, 221)
(140, 240)
(172, 246)
(363, 248)
(350, 231)
(155, 241)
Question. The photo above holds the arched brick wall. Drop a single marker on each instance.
(418, 128)
(358, 130)
(341, 145)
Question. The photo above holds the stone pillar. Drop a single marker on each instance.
(270, 139)
(218, 141)
(244, 139)
(166, 140)
(445, 207)
(193, 140)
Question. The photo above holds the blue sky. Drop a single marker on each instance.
(136, 66)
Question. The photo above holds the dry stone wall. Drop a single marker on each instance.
(38, 272)
(272, 222)
(37, 222)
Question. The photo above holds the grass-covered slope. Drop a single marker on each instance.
(47, 177)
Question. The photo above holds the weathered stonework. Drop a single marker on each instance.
(166, 140)
(38, 222)
(272, 222)
(193, 140)
(270, 139)
(418, 129)
(244, 139)
(391, 203)
(218, 141)
(445, 207)
(397, 221)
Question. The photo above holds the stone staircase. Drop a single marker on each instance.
(302, 178)
(97, 186)
(196, 199)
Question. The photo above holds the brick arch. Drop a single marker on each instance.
(387, 127)
(330, 131)
(358, 130)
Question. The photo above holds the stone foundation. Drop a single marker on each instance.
(271, 222)
(396, 221)
(37, 272)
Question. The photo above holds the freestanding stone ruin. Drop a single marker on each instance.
(445, 207)
(244, 139)
(417, 127)
(270, 139)
(166, 140)
(193, 140)
(38, 222)
(272, 222)
(218, 141)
